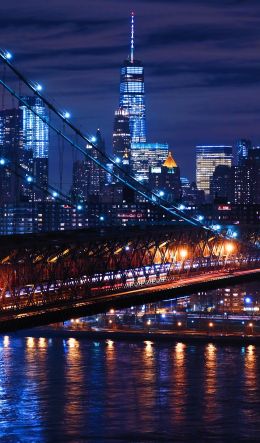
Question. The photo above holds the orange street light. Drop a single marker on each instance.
(183, 253)
(229, 247)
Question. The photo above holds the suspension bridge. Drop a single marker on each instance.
(53, 276)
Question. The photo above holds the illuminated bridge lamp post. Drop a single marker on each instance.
(183, 253)
(211, 325)
(229, 249)
(251, 326)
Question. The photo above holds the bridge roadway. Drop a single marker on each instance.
(11, 320)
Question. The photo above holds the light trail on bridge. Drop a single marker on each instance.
(37, 315)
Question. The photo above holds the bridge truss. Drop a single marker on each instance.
(46, 269)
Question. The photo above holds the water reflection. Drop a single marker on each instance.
(179, 383)
(75, 390)
(212, 411)
(75, 395)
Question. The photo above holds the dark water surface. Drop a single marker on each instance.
(55, 390)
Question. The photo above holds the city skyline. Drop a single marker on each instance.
(201, 75)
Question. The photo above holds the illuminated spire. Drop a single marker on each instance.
(132, 36)
(170, 163)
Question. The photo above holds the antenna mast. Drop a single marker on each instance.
(132, 36)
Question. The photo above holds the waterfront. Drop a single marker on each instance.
(55, 387)
(82, 390)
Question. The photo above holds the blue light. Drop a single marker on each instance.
(117, 160)
(66, 115)
(79, 207)
(181, 207)
(127, 248)
(38, 87)
(248, 300)
(163, 315)
(55, 194)
(200, 217)
(93, 139)
(8, 55)
(2, 161)
(101, 218)
(216, 227)
(161, 193)
(234, 235)
(29, 179)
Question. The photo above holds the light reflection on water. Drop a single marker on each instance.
(80, 390)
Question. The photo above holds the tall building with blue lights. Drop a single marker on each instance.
(132, 97)
(36, 139)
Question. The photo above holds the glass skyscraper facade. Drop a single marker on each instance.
(132, 98)
(145, 156)
(36, 140)
(207, 159)
(36, 132)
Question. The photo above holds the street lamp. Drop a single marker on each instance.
(251, 325)
(183, 253)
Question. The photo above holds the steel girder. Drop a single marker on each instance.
(43, 268)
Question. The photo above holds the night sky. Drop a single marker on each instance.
(201, 58)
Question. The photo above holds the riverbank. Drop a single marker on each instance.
(140, 335)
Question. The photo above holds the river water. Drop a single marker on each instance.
(55, 390)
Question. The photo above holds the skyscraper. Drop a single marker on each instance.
(36, 139)
(11, 153)
(145, 156)
(221, 185)
(132, 92)
(242, 147)
(207, 159)
(121, 134)
(247, 178)
(165, 180)
(88, 178)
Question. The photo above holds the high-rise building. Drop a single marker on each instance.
(89, 178)
(242, 147)
(16, 162)
(207, 159)
(145, 156)
(10, 148)
(121, 134)
(165, 180)
(36, 140)
(132, 97)
(221, 184)
(246, 178)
